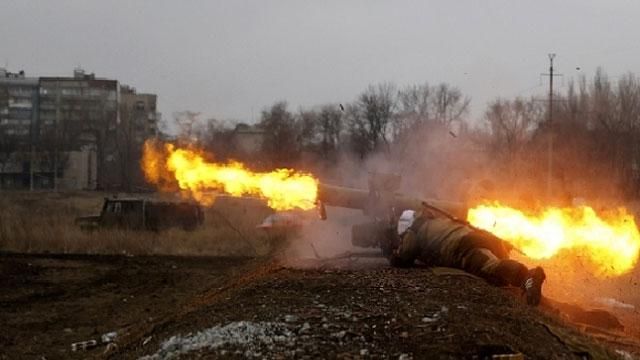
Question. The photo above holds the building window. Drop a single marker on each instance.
(94, 92)
(47, 91)
(71, 91)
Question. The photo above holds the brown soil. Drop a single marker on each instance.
(339, 309)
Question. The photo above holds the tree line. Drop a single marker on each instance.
(424, 132)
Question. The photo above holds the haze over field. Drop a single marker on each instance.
(231, 59)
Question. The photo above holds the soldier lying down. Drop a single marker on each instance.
(439, 240)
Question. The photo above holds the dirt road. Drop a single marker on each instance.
(239, 307)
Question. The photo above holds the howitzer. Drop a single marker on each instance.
(384, 205)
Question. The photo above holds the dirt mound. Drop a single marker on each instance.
(224, 307)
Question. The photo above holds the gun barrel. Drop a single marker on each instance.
(359, 199)
(342, 196)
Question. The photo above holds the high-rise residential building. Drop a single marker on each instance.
(138, 122)
(79, 132)
(78, 124)
(18, 125)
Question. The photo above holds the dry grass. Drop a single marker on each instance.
(40, 222)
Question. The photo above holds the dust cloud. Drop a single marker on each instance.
(438, 163)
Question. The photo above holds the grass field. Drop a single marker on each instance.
(43, 222)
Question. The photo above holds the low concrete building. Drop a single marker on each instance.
(248, 138)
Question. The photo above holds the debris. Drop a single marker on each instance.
(110, 347)
(315, 252)
(106, 338)
(249, 335)
(84, 345)
(404, 356)
(364, 352)
(146, 340)
(436, 316)
(305, 327)
(624, 355)
(290, 318)
(339, 334)
(613, 303)
(109, 337)
(517, 356)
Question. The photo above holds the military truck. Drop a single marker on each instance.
(144, 214)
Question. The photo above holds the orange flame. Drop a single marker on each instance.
(283, 189)
(611, 242)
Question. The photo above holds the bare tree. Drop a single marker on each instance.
(357, 131)
(187, 123)
(308, 123)
(414, 109)
(280, 135)
(369, 119)
(217, 137)
(511, 124)
(424, 105)
(449, 104)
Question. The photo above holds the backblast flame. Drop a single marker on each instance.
(283, 189)
(611, 241)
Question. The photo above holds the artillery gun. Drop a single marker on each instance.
(384, 205)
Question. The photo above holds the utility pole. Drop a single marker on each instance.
(56, 138)
(550, 128)
(34, 129)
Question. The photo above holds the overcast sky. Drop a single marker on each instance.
(230, 59)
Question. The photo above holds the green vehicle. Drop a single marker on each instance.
(144, 214)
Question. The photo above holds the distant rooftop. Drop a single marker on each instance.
(6, 74)
(248, 129)
(19, 78)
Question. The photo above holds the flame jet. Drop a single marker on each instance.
(610, 241)
(166, 165)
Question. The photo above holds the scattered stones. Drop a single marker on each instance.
(427, 319)
(305, 328)
(249, 335)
